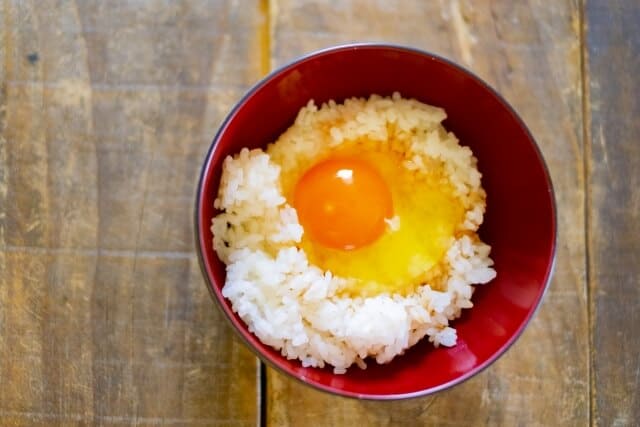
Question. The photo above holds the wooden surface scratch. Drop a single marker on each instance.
(461, 30)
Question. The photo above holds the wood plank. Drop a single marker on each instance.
(106, 112)
(613, 60)
(531, 53)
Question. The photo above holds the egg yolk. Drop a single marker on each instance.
(342, 203)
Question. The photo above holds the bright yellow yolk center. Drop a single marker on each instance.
(342, 202)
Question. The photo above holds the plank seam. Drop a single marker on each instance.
(265, 36)
(97, 252)
(586, 138)
(262, 390)
(266, 32)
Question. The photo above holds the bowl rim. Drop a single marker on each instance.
(200, 243)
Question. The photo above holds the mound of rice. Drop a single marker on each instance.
(296, 307)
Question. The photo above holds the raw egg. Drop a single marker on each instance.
(367, 217)
(343, 203)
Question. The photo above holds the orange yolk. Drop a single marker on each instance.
(342, 203)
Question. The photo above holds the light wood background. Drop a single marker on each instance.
(107, 109)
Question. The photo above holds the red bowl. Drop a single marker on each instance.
(520, 222)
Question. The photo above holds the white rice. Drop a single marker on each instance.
(296, 307)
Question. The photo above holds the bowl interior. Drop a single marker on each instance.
(519, 223)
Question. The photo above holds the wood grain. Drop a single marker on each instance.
(106, 111)
(530, 52)
(613, 60)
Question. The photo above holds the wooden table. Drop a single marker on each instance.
(106, 111)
